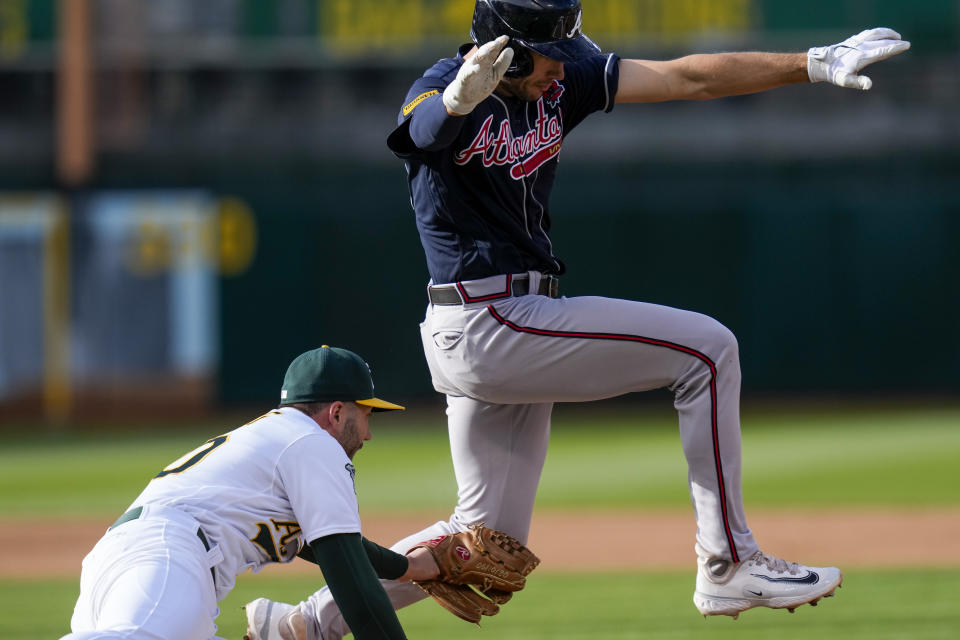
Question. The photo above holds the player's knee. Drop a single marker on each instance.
(726, 340)
(717, 358)
(720, 343)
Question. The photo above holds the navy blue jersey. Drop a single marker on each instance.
(480, 184)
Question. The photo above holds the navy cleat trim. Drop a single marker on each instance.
(810, 578)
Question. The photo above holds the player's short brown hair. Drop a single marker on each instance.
(312, 409)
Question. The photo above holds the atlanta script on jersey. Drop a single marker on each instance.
(496, 165)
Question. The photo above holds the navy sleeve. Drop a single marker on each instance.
(423, 122)
(431, 127)
(591, 86)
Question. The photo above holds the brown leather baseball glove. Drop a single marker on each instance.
(480, 560)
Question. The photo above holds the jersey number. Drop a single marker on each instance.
(192, 458)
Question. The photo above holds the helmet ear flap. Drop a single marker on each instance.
(522, 64)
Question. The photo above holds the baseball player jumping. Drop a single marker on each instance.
(481, 134)
(275, 488)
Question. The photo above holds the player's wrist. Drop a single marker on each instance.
(817, 69)
(456, 106)
(422, 566)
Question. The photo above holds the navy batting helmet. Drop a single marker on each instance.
(552, 28)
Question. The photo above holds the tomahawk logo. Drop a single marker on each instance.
(553, 93)
(525, 154)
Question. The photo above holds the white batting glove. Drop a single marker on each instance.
(839, 63)
(478, 76)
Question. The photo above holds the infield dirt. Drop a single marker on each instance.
(587, 540)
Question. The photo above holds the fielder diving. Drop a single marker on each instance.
(279, 487)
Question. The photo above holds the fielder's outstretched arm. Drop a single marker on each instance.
(707, 76)
(355, 588)
(417, 565)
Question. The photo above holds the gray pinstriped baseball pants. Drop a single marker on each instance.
(502, 365)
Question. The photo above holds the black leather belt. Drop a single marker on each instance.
(136, 512)
(454, 293)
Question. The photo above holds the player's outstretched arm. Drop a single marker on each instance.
(707, 76)
(355, 588)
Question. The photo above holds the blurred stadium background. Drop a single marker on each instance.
(193, 192)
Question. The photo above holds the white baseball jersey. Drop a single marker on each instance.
(258, 494)
(262, 491)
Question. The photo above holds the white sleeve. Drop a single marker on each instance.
(318, 479)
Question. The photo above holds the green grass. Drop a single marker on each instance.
(78, 475)
(873, 605)
(599, 458)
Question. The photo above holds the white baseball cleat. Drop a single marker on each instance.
(725, 588)
(269, 620)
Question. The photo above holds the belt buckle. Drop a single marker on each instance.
(553, 285)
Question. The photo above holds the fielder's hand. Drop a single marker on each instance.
(479, 570)
(840, 63)
(478, 77)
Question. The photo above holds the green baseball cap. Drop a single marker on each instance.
(327, 374)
